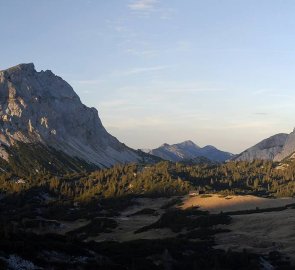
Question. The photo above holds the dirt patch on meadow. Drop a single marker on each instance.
(216, 203)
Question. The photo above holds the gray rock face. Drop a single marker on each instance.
(189, 150)
(176, 152)
(40, 107)
(267, 149)
(288, 149)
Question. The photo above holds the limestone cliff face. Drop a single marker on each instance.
(288, 149)
(267, 149)
(40, 107)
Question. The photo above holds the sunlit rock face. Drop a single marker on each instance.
(267, 149)
(288, 149)
(40, 107)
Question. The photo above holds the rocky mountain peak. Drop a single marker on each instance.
(165, 145)
(210, 147)
(21, 68)
(188, 150)
(189, 143)
(40, 107)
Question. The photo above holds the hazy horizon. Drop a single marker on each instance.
(214, 72)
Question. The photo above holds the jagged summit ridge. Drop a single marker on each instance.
(42, 107)
(188, 143)
(29, 68)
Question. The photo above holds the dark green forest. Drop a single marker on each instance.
(263, 178)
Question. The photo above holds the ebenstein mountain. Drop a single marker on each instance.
(188, 150)
(41, 116)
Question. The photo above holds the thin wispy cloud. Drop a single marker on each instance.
(88, 82)
(284, 96)
(260, 113)
(143, 5)
(275, 93)
(140, 70)
(142, 52)
(148, 121)
(144, 8)
(159, 91)
(120, 73)
(262, 92)
(183, 45)
(190, 89)
(146, 49)
(114, 102)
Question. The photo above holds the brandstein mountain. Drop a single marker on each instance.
(276, 148)
(43, 120)
(188, 150)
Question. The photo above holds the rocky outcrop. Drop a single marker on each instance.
(267, 149)
(288, 148)
(188, 151)
(40, 107)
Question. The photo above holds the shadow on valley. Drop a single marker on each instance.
(192, 248)
(70, 252)
(62, 252)
(52, 220)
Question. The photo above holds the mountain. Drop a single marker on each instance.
(288, 148)
(176, 152)
(268, 149)
(215, 154)
(188, 150)
(41, 113)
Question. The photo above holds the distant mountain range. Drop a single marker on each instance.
(45, 126)
(188, 150)
(276, 148)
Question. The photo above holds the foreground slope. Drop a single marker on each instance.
(41, 108)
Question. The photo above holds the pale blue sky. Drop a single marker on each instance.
(218, 72)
